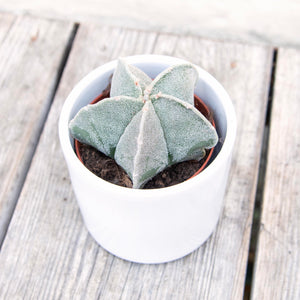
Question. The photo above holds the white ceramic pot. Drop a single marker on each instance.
(160, 225)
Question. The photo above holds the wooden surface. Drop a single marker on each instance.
(47, 252)
(277, 274)
(29, 62)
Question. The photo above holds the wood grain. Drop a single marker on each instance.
(30, 53)
(6, 21)
(48, 253)
(277, 266)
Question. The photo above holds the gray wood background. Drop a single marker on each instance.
(47, 252)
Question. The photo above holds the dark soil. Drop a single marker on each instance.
(106, 168)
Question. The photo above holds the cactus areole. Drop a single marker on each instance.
(147, 125)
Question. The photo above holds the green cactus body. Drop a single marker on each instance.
(147, 125)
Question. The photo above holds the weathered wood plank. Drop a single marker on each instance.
(59, 259)
(30, 53)
(6, 21)
(277, 266)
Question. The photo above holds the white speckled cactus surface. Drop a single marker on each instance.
(147, 125)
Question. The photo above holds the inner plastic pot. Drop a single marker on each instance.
(199, 104)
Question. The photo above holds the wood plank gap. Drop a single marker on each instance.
(260, 183)
(271, 90)
(277, 261)
(51, 96)
(63, 63)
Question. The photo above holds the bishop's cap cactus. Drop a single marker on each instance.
(147, 125)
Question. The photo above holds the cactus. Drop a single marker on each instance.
(147, 125)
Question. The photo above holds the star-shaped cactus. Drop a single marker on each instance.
(147, 125)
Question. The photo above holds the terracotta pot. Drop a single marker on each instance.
(199, 104)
